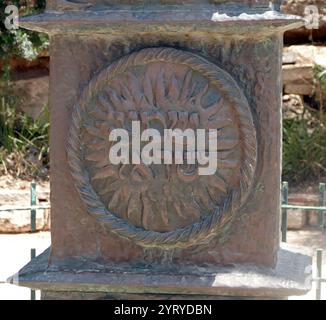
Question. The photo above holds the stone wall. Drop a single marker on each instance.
(300, 65)
(303, 34)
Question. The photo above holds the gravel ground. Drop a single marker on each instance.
(15, 253)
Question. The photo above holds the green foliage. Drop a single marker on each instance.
(23, 43)
(322, 76)
(24, 142)
(7, 119)
(304, 150)
(320, 80)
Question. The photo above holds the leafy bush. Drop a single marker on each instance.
(24, 142)
(304, 150)
(23, 43)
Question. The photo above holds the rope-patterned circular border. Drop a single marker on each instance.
(213, 224)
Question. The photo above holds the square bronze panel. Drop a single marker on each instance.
(253, 236)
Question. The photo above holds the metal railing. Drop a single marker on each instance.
(32, 207)
(285, 207)
(321, 209)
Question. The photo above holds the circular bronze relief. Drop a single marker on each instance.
(162, 205)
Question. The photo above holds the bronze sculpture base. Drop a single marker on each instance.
(80, 279)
